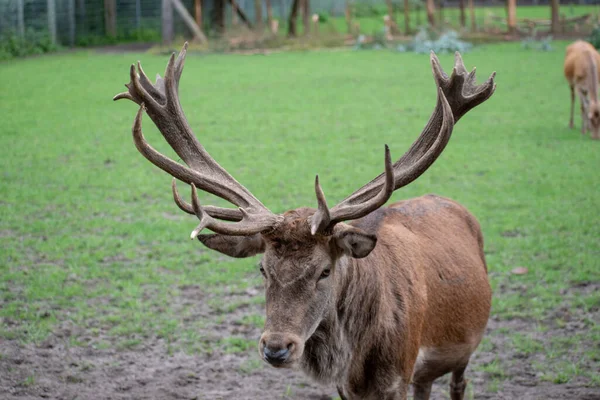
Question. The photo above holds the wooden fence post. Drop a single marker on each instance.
(110, 17)
(188, 20)
(198, 12)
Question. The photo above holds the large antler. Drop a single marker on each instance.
(161, 102)
(457, 95)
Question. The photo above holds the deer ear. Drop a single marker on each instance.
(234, 246)
(353, 242)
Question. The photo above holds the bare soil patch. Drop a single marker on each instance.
(56, 369)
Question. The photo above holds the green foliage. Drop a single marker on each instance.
(426, 40)
(31, 43)
(594, 38)
(135, 35)
(369, 10)
(323, 17)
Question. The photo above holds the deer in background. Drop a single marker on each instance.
(581, 71)
(365, 297)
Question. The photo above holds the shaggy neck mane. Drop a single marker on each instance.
(346, 328)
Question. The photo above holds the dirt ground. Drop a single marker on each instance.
(55, 369)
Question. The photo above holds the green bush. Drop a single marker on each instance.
(31, 43)
(594, 38)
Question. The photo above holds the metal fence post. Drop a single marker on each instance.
(21, 17)
(167, 21)
(52, 20)
(71, 6)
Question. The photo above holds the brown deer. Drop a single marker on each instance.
(367, 298)
(581, 71)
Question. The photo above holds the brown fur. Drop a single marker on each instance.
(412, 310)
(582, 72)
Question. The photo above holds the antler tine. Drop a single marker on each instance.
(344, 212)
(227, 214)
(321, 219)
(324, 219)
(460, 88)
(180, 62)
(249, 225)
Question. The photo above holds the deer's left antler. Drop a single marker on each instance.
(457, 94)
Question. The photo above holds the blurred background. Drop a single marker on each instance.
(39, 26)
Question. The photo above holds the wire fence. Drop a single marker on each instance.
(82, 22)
(90, 22)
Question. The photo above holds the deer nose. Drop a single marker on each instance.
(277, 348)
(277, 356)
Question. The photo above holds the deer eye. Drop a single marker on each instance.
(325, 273)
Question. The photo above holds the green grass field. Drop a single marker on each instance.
(90, 235)
(369, 25)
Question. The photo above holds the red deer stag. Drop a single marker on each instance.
(581, 71)
(398, 295)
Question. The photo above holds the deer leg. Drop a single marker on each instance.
(571, 125)
(584, 121)
(458, 384)
(422, 390)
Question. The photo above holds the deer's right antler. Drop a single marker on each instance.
(161, 102)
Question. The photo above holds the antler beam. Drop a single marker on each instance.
(457, 95)
(161, 102)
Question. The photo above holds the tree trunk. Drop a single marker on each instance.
(511, 20)
(240, 13)
(431, 12)
(71, 6)
(348, 14)
(473, 20)
(198, 12)
(390, 9)
(407, 17)
(235, 19)
(293, 19)
(188, 20)
(306, 16)
(110, 17)
(269, 15)
(218, 16)
(463, 18)
(554, 4)
(258, 14)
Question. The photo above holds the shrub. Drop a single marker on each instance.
(31, 43)
(425, 41)
(542, 44)
(594, 38)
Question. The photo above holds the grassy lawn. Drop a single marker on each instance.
(92, 240)
(372, 24)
